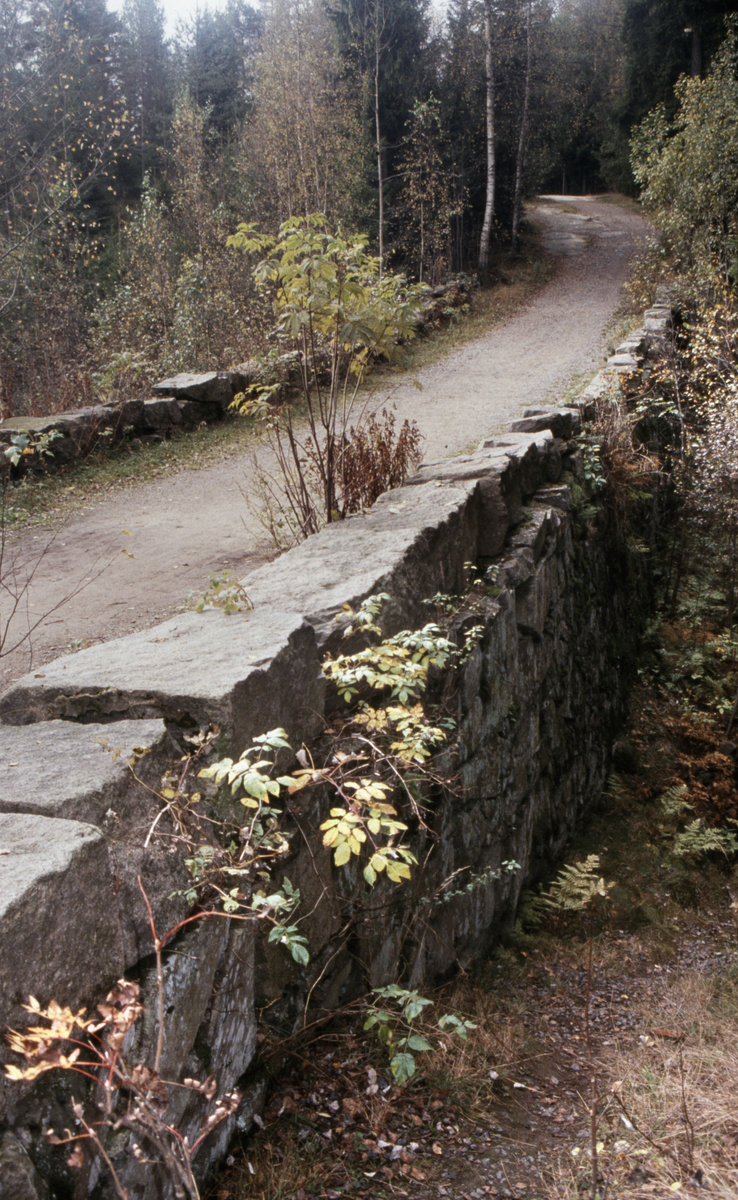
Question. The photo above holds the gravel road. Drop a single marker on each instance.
(182, 529)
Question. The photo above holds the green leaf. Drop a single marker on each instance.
(403, 1068)
(300, 953)
(414, 1005)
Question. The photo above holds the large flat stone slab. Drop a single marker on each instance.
(212, 387)
(59, 927)
(80, 772)
(246, 673)
(413, 543)
(560, 421)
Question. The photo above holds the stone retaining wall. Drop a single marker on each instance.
(180, 403)
(537, 706)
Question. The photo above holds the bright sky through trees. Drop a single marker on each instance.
(174, 9)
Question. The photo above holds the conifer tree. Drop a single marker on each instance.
(384, 42)
(146, 79)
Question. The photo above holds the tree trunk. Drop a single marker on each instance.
(489, 207)
(380, 164)
(523, 134)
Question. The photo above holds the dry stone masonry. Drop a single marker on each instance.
(537, 706)
(182, 402)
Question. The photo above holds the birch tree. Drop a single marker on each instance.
(489, 207)
(520, 157)
(385, 43)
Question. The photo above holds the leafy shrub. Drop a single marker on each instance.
(688, 169)
(336, 313)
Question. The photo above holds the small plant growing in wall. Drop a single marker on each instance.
(129, 1097)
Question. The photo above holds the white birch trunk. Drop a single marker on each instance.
(378, 134)
(489, 208)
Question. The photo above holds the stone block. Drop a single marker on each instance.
(561, 422)
(524, 462)
(659, 312)
(82, 773)
(532, 603)
(494, 517)
(79, 772)
(72, 431)
(568, 420)
(194, 412)
(534, 531)
(635, 344)
(413, 543)
(247, 673)
(160, 415)
(129, 413)
(189, 975)
(212, 387)
(19, 1179)
(657, 323)
(602, 384)
(556, 496)
(60, 935)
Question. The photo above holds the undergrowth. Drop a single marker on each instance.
(336, 1124)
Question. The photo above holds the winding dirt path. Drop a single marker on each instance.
(95, 582)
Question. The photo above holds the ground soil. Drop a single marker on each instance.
(524, 1132)
(131, 560)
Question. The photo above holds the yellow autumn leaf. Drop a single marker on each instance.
(397, 871)
(342, 854)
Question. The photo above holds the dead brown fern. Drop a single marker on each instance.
(375, 459)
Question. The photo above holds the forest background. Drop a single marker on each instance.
(128, 158)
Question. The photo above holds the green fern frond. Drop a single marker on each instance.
(699, 839)
(573, 889)
(673, 800)
(616, 789)
(576, 886)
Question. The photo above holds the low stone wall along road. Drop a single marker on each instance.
(182, 529)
